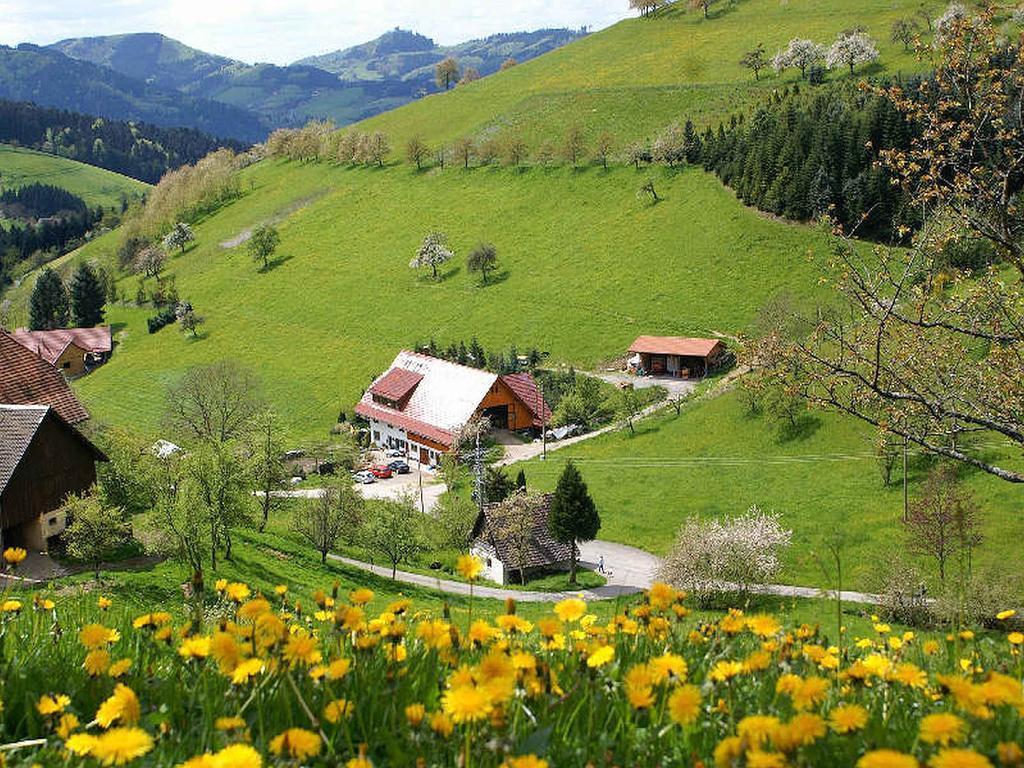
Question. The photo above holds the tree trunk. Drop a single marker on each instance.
(572, 564)
(323, 557)
(394, 569)
(266, 509)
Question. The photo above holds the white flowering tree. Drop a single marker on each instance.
(955, 12)
(433, 252)
(851, 49)
(179, 237)
(729, 554)
(801, 53)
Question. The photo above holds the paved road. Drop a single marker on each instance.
(391, 488)
(630, 570)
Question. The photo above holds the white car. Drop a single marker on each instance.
(364, 477)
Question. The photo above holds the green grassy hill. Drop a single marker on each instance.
(588, 268)
(637, 76)
(96, 186)
(716, 458)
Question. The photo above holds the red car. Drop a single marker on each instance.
(381, 471)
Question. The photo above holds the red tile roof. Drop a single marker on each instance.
(675, 345)
(50, 345)
(410, 424)
(526, 390)
(26, 379)
(396, 384)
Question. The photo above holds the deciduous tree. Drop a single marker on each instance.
(393, 528)
(943, 520)
(573, 516)
(149, 261)
(851, 49)
(801, 54)
(97, 532)
(263, 243)
(416, 151)
(574, 144)
(215, 402)
(336, 514)
(483, 259)
(265, 447)
(512, 521)
(904, 31)
(464, 150)
(432, 253)
(446, 72)
(755, 60)
(604, 148)
(179, 236)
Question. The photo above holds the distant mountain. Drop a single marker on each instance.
(345, 86)
(408, 56)
(49, 78)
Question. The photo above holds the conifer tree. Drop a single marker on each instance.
(87, 297)
(48, 307)
(574, 516)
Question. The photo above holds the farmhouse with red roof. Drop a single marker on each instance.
(421, 402)
(70, 350)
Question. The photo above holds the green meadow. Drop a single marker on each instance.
(715, 459)
(586, 267)
(97, 186)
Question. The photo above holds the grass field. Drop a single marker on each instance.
(97, 186)
(588, 266)
(716, 459)
(640, 74)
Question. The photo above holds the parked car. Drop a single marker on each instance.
(364, 477)
(399, 467)
(393, 453)
(381, 471)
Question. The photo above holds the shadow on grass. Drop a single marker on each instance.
(195, 338)
(429, 279)
(495, 278)
(275, 263)
(800, 429)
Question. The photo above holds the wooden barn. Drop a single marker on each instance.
(43, 459)
(685, 358)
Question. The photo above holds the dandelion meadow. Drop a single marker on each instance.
(254, 679)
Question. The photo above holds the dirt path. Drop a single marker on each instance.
(276, 218)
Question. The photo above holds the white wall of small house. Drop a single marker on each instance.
(384, 435)
(494, 569)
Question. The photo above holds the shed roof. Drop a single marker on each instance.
(542, 549)
(675, 345)
(27, 379)
(18, 426)
(396, 384)
(50, 345)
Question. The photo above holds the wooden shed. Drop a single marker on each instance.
(679, 356)
(43, 459)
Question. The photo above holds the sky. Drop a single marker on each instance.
(281, 31)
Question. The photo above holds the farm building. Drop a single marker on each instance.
(501, 557)
(27, 379)
(420, 403)
(42, 460)
(73, 351)
(685, 358)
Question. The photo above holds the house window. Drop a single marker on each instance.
(66, 365)
(376, 436)
(53, 521)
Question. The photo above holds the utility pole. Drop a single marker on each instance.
(478, 468)
(906, 506)
(543, 423)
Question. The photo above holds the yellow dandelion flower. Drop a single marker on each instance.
(80, 744)
(763, 625)
(571, 609)
(67, 725)
(469, 567)
(52, 705)
(661, 595)
(1015, 638)
(97, 662)
(338, 668)
(684, 704)
(847, 718)
(247, 670)
(725, 670)
(757, 729)
(466, 703)
(281, 590)
(14, 556)
(302, 649)
(414, 714)
(237, 592)
(338, 709)
(930, 647)
(910, 675)
(359, 762)
(297, 743)
(441, 724)
(119, 746)
(119, 668)
(93, 636)
(122, 706)
(525, 761)
(103, 603)
(512, 624)
(194, 647)
(220, 585)
(942, 728)
(959, 758)
(238, 756)
(360, 596)
(1010, 753)
(757, 758)
(1007, 614)
(231, 723)
(600, 657)
(887, 758)
(10, 606)
(728, 752)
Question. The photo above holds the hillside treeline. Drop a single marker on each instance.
(48, 220)
(805, 154)
(139, 150)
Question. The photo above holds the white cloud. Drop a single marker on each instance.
(272, 30)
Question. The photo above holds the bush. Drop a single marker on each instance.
(166, 316)
(730, 554)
